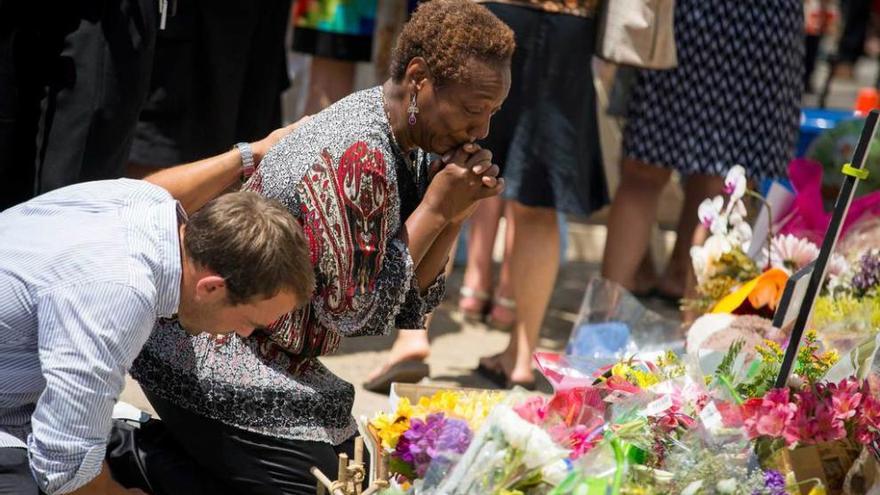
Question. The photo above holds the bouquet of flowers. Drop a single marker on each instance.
(849, 311)
(821, 412)
(439, 426)
(574, 418)
(509, 455)
(721, 264)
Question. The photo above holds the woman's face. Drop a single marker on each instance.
(455, 114)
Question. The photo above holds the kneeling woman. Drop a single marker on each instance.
(254, 414)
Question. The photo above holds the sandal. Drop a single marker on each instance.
(473, 303)
(409, 371)
(500, 380)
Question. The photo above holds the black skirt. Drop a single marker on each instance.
(546, 136)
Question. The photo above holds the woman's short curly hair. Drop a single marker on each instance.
(448, 32)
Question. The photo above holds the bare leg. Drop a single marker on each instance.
(503, 313)
(696, 189)
(329, 81)
(534, 262)
(478, 272)
(632, 215)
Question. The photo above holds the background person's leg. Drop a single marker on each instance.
(97, 92)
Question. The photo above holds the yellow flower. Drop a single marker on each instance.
(644, 379)
(389, 428)
(404, 408)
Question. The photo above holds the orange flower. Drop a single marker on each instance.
(764, 290)
(769, 288)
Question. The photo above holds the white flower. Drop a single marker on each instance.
(791, 253)
(709, 213)
(735, 183)
(693, 488)
(535, 444)
(706, 257)
(726, 486)
(555, 473)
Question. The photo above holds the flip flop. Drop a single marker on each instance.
(665, 297)
(500, 380)
(403, 372)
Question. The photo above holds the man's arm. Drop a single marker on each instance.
(196, 183)
(88, 336)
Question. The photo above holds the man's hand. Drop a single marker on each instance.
(261, 147)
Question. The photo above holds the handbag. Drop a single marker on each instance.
(639, 33)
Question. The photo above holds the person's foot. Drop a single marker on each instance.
(672, 285)
(502, 316)
(473, 303)
(406, 348)
(500, 370)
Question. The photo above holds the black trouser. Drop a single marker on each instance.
(15, 472)
(188, 453)
(856, 16)
(73, 78)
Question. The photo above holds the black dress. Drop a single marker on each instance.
(734, 97)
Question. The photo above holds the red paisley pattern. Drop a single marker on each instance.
(342, 209)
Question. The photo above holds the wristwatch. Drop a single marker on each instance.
(247, 160)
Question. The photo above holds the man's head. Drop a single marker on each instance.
(246, 263)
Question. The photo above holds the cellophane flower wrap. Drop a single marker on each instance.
(437, 429)
(508, 454)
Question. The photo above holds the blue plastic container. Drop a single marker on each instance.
(815, 121)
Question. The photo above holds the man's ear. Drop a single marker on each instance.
(211, 288)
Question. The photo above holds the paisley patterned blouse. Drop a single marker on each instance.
(343, 177)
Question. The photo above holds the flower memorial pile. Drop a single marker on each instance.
(711, 421)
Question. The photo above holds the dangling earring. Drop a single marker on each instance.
(413, 109)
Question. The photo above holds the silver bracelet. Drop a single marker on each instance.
(247, 160)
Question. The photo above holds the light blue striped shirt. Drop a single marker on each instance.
(84, 273)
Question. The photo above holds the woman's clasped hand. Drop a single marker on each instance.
(460, 179)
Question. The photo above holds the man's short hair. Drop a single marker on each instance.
(254, 243)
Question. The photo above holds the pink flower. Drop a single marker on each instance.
(868, 422)
(815, 420)
(845, 398)
(576, 405)
(583, 438)
(769, 416)
(533, 409)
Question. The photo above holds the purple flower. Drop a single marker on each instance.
(430, 438)
(774, 482)
(867, 274)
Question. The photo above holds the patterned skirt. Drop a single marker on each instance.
(734, 97)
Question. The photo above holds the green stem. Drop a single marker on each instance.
(731, 389)
(618, 473)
